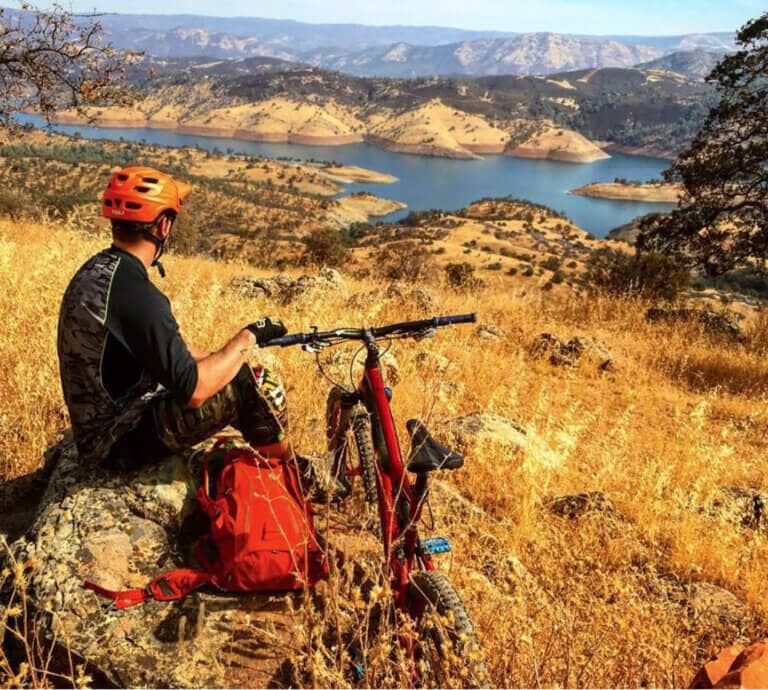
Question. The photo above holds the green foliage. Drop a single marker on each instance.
(643, 275)
(724, 223)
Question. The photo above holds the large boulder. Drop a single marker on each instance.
(470, 431)
(122, 531)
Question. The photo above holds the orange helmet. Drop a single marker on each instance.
(140, 195)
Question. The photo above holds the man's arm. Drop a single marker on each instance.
(216, 370)
(197, 352)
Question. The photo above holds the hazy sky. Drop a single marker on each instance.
(656, 17)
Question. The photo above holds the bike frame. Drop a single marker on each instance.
(400, 501)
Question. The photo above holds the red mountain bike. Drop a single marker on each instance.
(363, 413)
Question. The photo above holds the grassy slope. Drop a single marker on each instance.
(681, 417)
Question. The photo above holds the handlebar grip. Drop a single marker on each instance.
(459, 318)
(286, 340)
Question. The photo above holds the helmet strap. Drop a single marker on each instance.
(159, 249)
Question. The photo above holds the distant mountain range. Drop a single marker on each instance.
(405, 51)
(408, 51)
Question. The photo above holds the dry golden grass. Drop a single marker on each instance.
(680, 417)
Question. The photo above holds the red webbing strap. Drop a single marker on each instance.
(170, 586)
(122, 600)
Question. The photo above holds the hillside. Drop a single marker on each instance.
(267, 213)
(694, 64)
(634, 585)
(235, 196)
(651, 112)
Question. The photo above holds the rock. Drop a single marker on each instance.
(742, 507)
(578, 505)
(121, 531)
(420, 297)
(284, 289)
(736, 667)
(719, 325)
(488, 331)
(432, 362)
(562, 353)
(715, 607)
(481, 428)
(709, 601)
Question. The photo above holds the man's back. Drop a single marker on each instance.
(117, 341)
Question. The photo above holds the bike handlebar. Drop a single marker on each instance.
(403, 328)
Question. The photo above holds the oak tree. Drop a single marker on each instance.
(52, 59)
(722, 220)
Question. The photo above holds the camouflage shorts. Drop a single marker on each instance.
(254, 402)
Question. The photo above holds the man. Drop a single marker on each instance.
(136, 391)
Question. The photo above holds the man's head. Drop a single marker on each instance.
(142, 204)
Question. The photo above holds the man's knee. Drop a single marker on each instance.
(263, 407)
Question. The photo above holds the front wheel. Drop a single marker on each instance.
(447, 652)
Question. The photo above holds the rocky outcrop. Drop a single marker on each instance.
(712, 323)
(742, 507)
(284, 289)
(122, 531)
(578, 505)
(571, 353)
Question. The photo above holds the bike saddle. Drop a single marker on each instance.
(426, 453)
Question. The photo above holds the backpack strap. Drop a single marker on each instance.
(170, 586)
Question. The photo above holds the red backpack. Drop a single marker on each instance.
(261, 538)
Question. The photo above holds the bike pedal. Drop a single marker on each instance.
(435, 545)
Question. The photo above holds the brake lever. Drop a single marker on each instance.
(426, 333)
(315, 346)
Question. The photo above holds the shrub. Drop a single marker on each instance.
(647, 275)
(406, 260)
(11, 204)
(324, 247)
(461, 276)
(552, 263)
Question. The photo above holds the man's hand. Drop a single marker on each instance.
(266, 329)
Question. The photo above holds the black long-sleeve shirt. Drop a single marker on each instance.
(118, 342)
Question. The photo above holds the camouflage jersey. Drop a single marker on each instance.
(119, 347)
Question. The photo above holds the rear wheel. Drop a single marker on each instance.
(447, 652)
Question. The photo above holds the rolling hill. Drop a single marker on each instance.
(694, 64)
(567, 116)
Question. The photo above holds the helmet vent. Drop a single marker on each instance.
(107, 202)
(132, 205)
(142, 190)
(122, 177)
(150, 180)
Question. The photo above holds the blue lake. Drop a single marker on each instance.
(444, 183)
